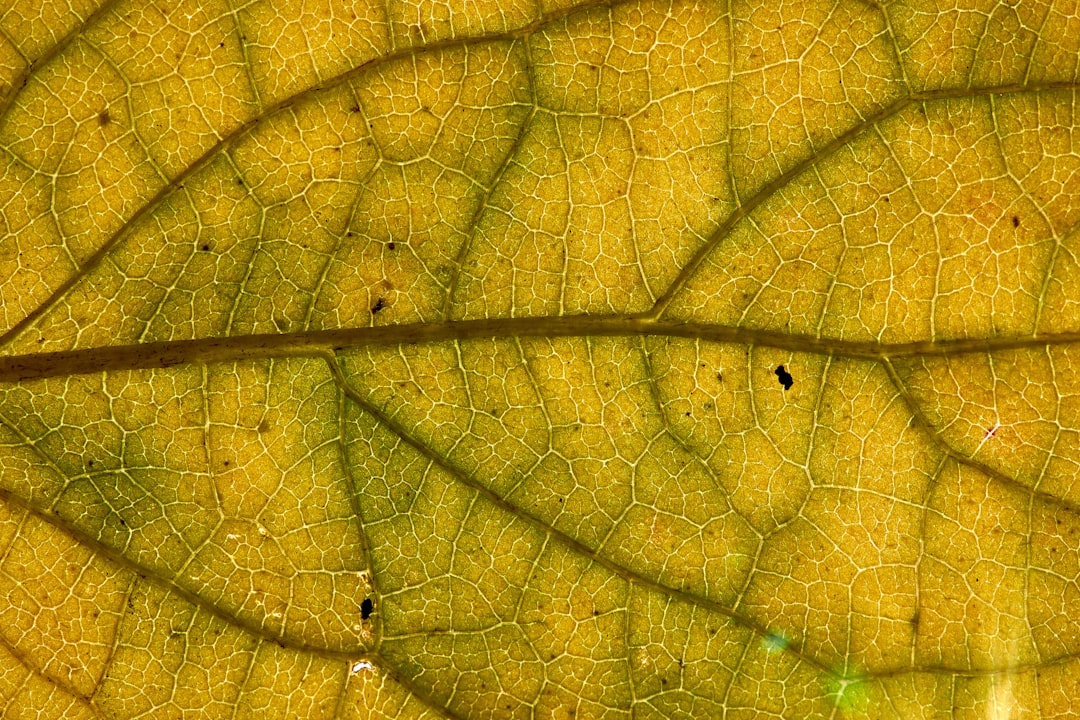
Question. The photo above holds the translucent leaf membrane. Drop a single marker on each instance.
(635, 359)
(194, 478)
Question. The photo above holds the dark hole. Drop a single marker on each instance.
(366, 608)
(784, 377)
(205, 247)
(391, 245)
(104, 118)
(379, 305)
(1016, 221)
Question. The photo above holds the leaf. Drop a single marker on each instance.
(499, 360)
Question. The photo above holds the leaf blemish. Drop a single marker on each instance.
(1016, 221)
(379, 305)
(104, 118)
(784, 377)
(366, 608)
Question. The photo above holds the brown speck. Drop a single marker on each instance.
(104, 118)
(379, 305)
(1016, 221)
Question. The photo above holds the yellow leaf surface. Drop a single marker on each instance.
(506, 359)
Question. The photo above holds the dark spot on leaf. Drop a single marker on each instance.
(366, 608)
(264, 426)
(1016, 221)
(391, 246)
(784, 377)
(104, 118)
(915, 620)
(205, 247)
(379, 305)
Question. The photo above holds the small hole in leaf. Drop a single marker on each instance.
(379, 305)
(366, 608)
(205, 247)
(784, 377)
(391, 246)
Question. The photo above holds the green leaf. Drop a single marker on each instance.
(512, 360)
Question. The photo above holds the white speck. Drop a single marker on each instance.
(989, 434)
(362, 665)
